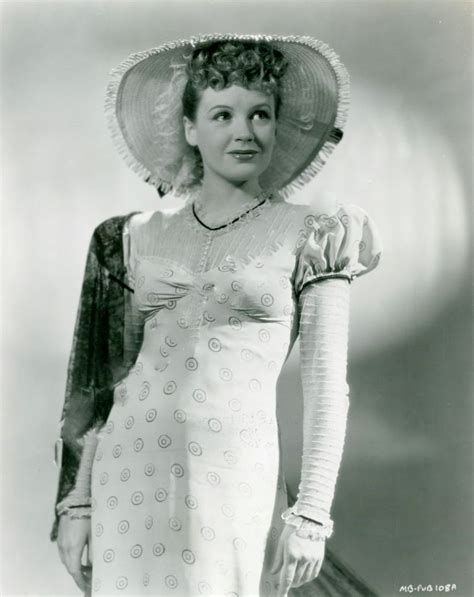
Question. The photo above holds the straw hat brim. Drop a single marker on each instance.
(313, 111)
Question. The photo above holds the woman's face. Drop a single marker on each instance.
(234, 130)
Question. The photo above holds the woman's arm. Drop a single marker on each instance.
(324, 323)
(323, 328)
(334, 251)
(77, 503)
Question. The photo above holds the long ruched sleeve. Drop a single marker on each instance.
(335, 251)
(324, 323)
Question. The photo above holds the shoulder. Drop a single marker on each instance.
(311, 215)
(346, 221)
(109, 232)
(107, 241)
(112, 227)
(297, 220)
(304, 215)
(150, 221)
(281, 213)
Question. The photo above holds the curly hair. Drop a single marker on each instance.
(220, 64)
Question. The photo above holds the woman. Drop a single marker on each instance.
(171, 469)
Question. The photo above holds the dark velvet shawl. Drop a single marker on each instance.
(106, 341)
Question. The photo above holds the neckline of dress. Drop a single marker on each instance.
(245, 212)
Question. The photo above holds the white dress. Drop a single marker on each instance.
(187, 484)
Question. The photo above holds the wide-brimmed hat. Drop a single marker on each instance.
(144, 111)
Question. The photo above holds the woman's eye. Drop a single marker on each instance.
(221, 116)
(261, 114)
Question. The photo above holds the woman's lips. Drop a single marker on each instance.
(243, 155)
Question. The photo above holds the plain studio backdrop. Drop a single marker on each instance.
(403, 506)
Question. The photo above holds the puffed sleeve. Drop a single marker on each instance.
(345, 244)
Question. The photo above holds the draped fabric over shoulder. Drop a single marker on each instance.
(105, 344)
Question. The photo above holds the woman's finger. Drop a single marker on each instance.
(310, 572)
(315, 569)
(278, 559)
(287, 574)
(301, 573)
(318, 567)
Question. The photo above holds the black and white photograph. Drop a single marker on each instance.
(237, 307)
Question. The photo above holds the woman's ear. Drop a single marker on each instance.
(189, 131)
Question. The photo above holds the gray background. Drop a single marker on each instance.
(403, 506)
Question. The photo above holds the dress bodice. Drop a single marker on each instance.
(237, 285)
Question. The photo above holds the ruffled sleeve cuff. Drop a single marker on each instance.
(346, 245)
(311, 529)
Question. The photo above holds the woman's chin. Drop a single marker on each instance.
(245, 173)
(236, 179)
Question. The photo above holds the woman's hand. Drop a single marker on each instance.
(73, 535)
(298, 559)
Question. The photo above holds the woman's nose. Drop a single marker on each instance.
(243, 131)
(248, 136)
